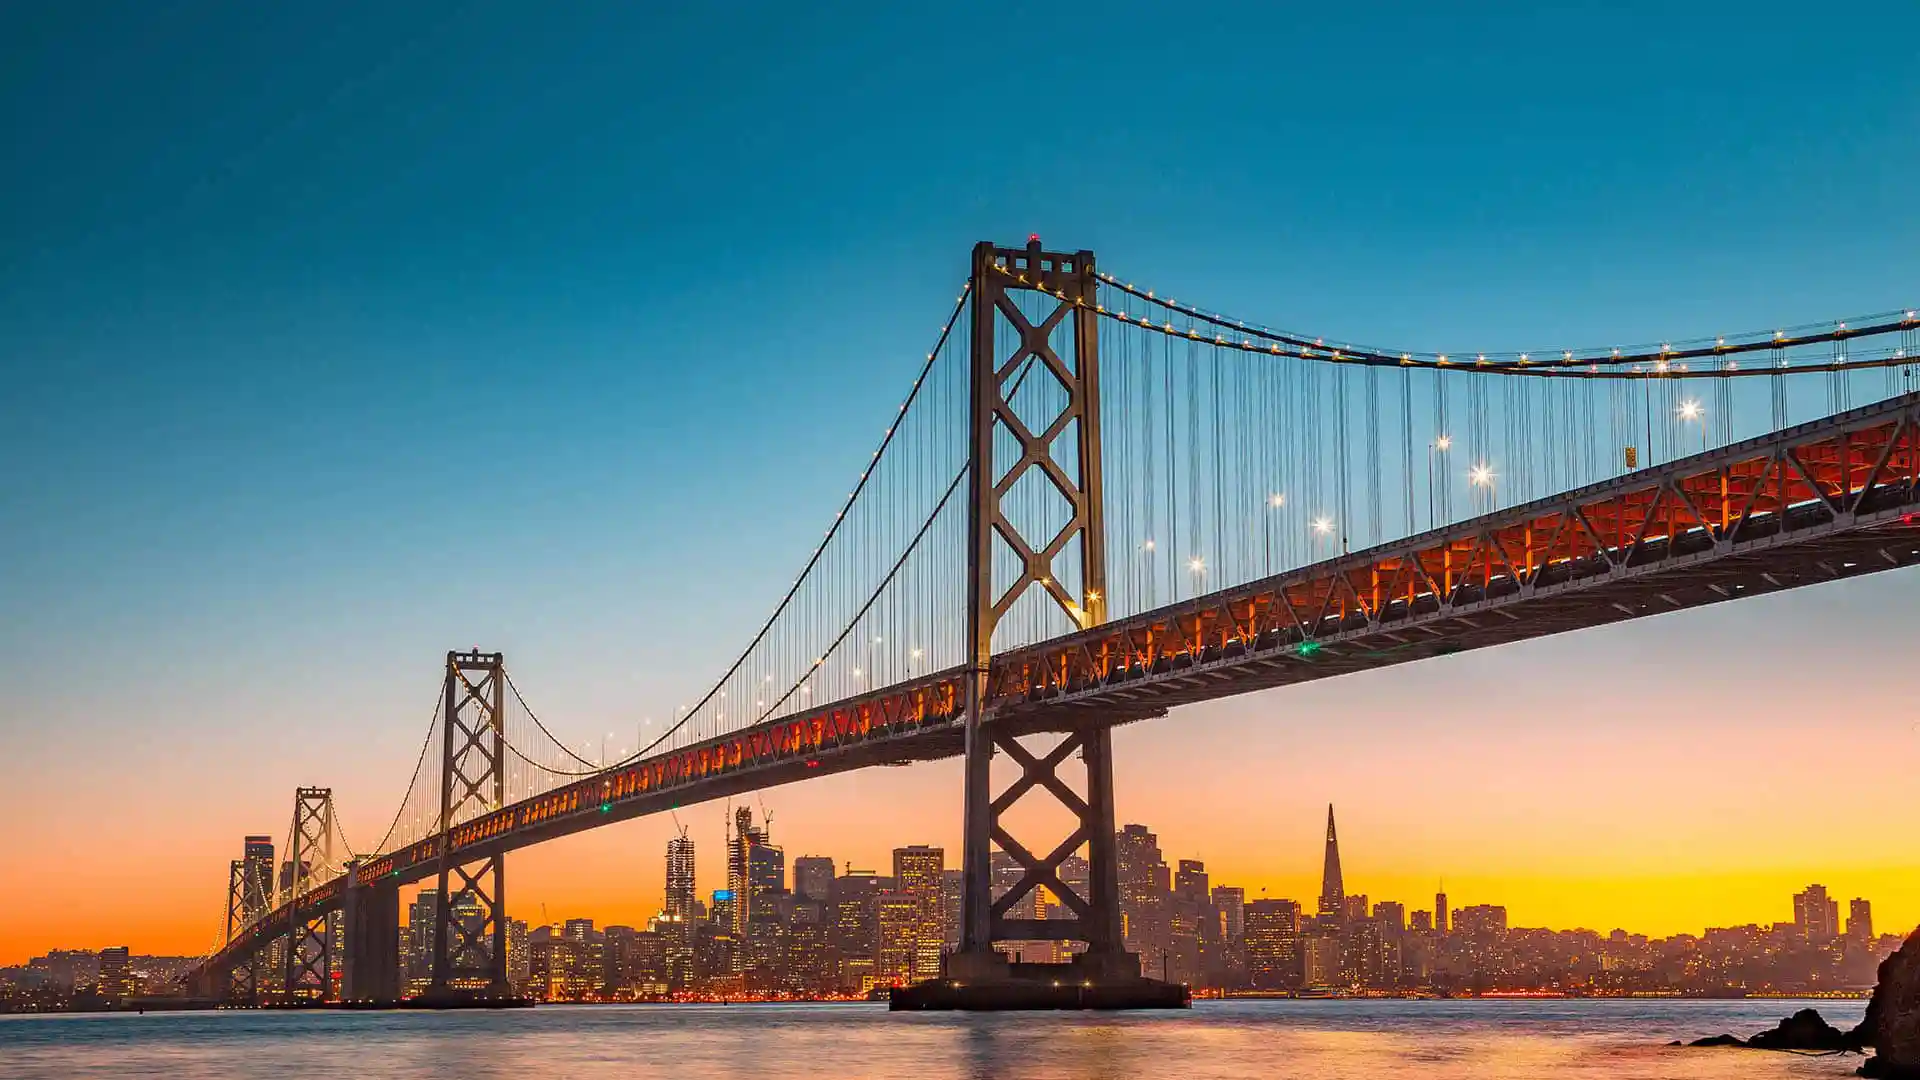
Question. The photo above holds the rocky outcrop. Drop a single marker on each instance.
(1717, 1040)
(1804, 1030)
(1892, 1025)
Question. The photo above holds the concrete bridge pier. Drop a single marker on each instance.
(370, 921)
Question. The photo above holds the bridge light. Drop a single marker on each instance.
(1276, 500)
(1689, 410)
(1481, 475)
(1443, 442)
(1148, 546)
(1322, 525)
(1308, 648)
(1196, 564)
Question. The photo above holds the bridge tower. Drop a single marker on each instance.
(1062, 560)
(243, 906)
(309, 945)
(470, 923)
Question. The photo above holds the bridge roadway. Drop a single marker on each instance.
(1821, 501)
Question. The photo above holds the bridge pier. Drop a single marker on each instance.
(370, 955)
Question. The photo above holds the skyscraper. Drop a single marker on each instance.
(682, 896)
(920, 872)
(1333, 891)
(756, 879)
(952, 890)
(1193, 935)
(1230, 903)
(420, 938)
(856, 929)
(743, 837)
(116, 978)
(1440, 914)
(518, 958)
(682, 906)
(813, 878)
(258, 858)
(1273, 943)
(898, 917)
(1860, 921)
(1817, 915)
(1143, 896)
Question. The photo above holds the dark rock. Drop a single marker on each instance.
(1717, 1040)
(1804, 1030)
(1892, 1025)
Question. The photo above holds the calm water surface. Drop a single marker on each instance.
(1322, 1040)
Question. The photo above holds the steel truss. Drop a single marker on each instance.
(309, 955)
(470, 921)
(1830, 499)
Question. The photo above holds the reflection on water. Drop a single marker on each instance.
(1321, 1040)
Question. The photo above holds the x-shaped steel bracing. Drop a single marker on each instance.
(471, 954)
(998, 379)
(309, 960)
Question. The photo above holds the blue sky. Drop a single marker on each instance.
(337, 337)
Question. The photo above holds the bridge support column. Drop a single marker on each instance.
(245, 901)
(309, 954)
(370, 953)
(470, 923)
(1035, 384)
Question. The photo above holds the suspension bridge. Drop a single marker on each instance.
(1096, 503)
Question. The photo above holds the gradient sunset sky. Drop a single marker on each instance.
(334, 337)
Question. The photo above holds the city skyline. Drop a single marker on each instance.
(259, 322)
(808, 928)
(690, 863)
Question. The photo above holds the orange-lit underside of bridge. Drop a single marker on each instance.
(1818, 502)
